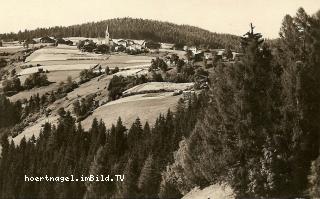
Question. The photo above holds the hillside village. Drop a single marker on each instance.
(192, 114)
(133, 46)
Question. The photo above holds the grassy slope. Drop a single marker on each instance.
(146, 106)
(211, 192)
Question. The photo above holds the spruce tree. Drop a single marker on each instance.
(149, 178)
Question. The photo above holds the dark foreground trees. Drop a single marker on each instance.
(261, 132)
(140, 153)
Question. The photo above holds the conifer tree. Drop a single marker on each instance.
(99, 167)
(129, 187)
(149, 178)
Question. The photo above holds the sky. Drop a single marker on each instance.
(222, 16)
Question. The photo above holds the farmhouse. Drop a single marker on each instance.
(135, 44)
(152, 45)
(47, 39)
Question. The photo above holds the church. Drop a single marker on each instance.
(107, 40)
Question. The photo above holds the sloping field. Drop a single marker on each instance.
(158, 86)
(11, 49)
(51, 53)
(50, 68)
(70, 55)
(146, 106)
(34, 129)
(129, 59)
(28, 93)
(61, 52)
(96, 85)
(132, 72)
(58, 76)
(211, 192)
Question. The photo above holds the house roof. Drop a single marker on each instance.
(220, 52)
(140, 42)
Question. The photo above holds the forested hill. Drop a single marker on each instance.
(135, 29)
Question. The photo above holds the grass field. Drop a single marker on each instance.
(28, 93)
(132, 72)
(50, 68)
(69, 55)
(62, 52)
(147, 107)
(34, 129)
(158, 86)
(11, 49)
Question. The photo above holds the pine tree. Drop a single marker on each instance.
(299, 51)
(129, 188)
(120, 138)
(149, 178)
(314, 179)
(99, 166)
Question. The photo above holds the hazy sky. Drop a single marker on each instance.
(227, 16)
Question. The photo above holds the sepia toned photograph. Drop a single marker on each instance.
(160, 99)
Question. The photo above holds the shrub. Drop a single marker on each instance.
(36, 80)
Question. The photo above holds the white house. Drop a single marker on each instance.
(208, 55)
(167, 46)
(193, 49)
(134, 47)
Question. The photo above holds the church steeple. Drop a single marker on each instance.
(107, 35)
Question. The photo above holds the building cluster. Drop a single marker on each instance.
(131, 45)
(213, 54)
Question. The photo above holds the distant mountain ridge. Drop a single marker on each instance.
(133, 28)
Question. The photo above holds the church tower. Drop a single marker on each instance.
(107, 36)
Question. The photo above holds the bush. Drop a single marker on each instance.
(12, 85)
(102, 49)
(86, 75)
(115, 70)
(157, 77)
(3, 62)
(157, 64)
(118, 84)
(36, 80)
